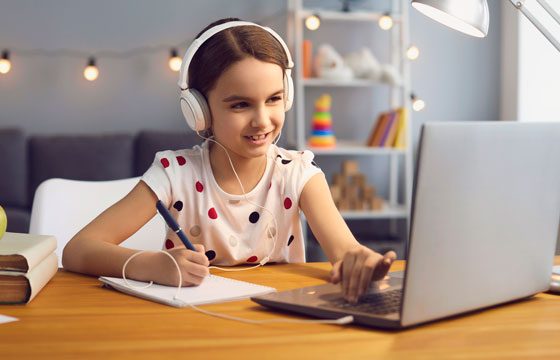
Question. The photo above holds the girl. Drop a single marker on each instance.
(238, 195)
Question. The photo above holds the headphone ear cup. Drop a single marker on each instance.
(288, 90)
(195, 110)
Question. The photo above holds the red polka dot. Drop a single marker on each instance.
(212, 214)
(164, 162)
(181, 160)
(199, 186)
(287, 203)
(270, 185)
(169, 244)
(252, 259)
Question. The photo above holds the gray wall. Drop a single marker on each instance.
(456, 75)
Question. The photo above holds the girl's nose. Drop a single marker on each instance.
(261, 117)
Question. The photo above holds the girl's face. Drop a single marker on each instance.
(247, 107)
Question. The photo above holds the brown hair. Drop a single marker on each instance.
(229, 46)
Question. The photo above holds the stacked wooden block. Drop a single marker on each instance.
(350, 190)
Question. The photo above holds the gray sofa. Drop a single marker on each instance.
(26, 161)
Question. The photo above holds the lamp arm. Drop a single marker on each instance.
(519, 4)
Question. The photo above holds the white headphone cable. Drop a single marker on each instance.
(341, 321)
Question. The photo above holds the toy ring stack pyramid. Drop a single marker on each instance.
(322, 134)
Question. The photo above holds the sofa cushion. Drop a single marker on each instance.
(18, 219)
(13, 167)
(149, 142)
(80, 157)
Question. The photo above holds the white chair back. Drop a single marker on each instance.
(63, 207)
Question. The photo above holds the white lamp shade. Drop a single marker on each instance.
(467, 16)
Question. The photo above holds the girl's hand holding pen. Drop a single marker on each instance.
(358, 268)
(193, 265)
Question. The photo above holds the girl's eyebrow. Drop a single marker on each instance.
(244, 98)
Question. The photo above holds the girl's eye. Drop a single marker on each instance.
(240, 105)
(275, 99)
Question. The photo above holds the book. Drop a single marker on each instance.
(383, 122)
(307, 53)
(400, 139)
(392, 131)
(21, 287)
(213, 289)
(22, 252)
(387, 129)
(374, 130)
(27, 263)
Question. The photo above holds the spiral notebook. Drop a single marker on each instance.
(212, 290)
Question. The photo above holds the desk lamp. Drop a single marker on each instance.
(472, 17)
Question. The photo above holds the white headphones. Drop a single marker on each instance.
(193, 104)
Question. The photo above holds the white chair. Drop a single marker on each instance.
(62, 207)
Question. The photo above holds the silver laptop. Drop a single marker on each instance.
(484, 223)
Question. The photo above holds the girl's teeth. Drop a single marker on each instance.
(259, 137)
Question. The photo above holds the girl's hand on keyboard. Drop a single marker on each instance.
(358, 268)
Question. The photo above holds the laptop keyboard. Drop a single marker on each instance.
(377, 303)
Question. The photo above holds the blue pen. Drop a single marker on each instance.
(173, 225)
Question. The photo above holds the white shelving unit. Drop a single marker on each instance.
(398, 206)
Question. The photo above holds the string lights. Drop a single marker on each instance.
(312, 22)
(5, 64)
(385, 21)
(412, 53)
(174, 60)
(417, 103)
(91, 72)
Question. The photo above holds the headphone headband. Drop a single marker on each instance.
(197, 43)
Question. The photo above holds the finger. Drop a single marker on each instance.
(335, 272)
(347, 266)
(382, 267)
(366, 275)
(353, 289)
(391, 255)
(192, 280)
(199, 248)
(197, 257)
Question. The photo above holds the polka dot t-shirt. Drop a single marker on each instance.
(232, 230)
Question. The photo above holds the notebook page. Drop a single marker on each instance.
(213, 289)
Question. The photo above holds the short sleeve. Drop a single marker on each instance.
(297, 168)
(306, 169)
(159, 174)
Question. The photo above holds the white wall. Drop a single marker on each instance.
(531, 66)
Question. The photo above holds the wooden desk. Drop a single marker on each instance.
(73, 317)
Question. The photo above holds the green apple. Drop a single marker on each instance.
(3, 222)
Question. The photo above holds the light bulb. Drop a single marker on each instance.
(91, 72)
(5, 64)
(412, 53)
(386, 21)
(175, 61)
(312, 22)
(417, 104)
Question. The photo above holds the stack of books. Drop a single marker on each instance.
(390, 129)
(27, 264)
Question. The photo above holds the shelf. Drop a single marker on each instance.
(389, 212)
(346, 16)
(354, 148)
(311, 82)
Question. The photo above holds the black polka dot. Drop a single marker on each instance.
(178, 205)
(285, 162)
(210, 254)
(290, 240)
(254, 217)
(278, 156)
(315, 164)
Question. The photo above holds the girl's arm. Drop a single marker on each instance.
(353, 264)
(95, 251)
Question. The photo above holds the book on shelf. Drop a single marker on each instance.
(307, 65)
(389, 130)
(27, 263)
(400, 139)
